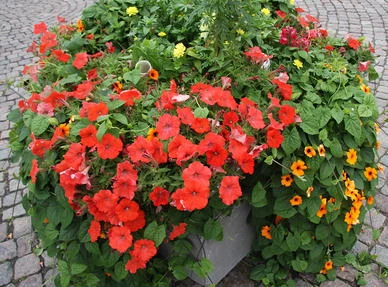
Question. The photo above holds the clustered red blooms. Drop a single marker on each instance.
(211, 151)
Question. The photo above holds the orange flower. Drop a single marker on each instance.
(298, 167)
(370, 200)
(344, 175)
(287, 180)
(322, 209)
(278, 218)
(380, 167)
(266, 232)
(151, 134)
(378, 144)
(309, 151)
(377, 128)
(309, 191)
(296, 200)
(329, 265)
(351, 156)
(117, 87)
(153, 74)
(80, 26)
(321, 150)
(65, 129)
(370, 173)
(349, 184)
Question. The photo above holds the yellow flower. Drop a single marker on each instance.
(298, 63)
(80, 26)
(132, 10)
(287, 180)
(344, 175)
(380, 167)
(298, 167)
(359, 79)
(151, 134)
(365, 88)
(321, 150)
(162, 34)
(377, 128)
(322, 209)
(266, 232)
(179, 50)
(240, 31)
(292, 2)
(309, 191)
(370, 173)
(65, 129)
(351, 156)
(349, 184)
(378, 144)
(296, 200)
(309, 151)
(265, 11)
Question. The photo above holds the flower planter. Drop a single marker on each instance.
(227, 253)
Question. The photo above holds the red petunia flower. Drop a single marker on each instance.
(34, 170)
(178, 230)
(230, 189)
(138, 223)
(105, 200)
(140, 150)
(61, 56)
(196, 171)
(287, 114)
(284, 89)
(274, 138)
(82, 90)
(120, 238)
(81, 59)
(167, 126)
(354, 43)
(134, 264)
(157, 152)
(110, 47)
(227, 100)
(281, 14)
(274, 124)
(200, 125)
(209, 141)
(125, 171)
(39, 147)
(95, 110)
(129, 97)
(245, 161)
(211, 95)
(159, 196)
(143, 250)
(40, 28)
(94, 230)
(256, 55)
(109, 147)
(244, 106)
(230, 119)
(48, 40)
(127, 210)
(88, 136)
(186, 115)
(255, 118)
(217, 156)
(125, 188)
(192, 196)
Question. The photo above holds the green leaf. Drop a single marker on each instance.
(201, 112)
(326, 170)
(75, 44)
(305, 238)
(179, 272)
(309, 124)
(293, 241)
(291, 140)
(115, 104)
(72, 249)
(283, 208)
(73, 78)
(101, 131)
(120, 118)
(314, 98)
(120, 271)
(353, 125)
(133, 76)
(322, 231)
(336, 148)
(299, 265)
(364, 111)
(50, 232)
(372, 74)
(76, 268)
(91, 280)
(155, 232)
(202, 267)
(324, 115)
(213, 230)
(259, 198)
(14, 115)
(337, 114)
(39, 125)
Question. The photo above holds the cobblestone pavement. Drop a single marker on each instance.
(19, 266)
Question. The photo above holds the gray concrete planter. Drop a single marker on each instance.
(225, 254)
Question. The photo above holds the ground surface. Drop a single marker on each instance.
(19, 266)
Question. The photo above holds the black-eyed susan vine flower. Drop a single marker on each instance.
(321, 150)
(328, 266)
(296, 200)
(323, 208)
(370, 173)
(298, 167)
(287, 180)
(351, 155)
(266, 232)
(309, 191)
(309, 151)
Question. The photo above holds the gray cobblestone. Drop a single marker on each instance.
(382, 202)
(12, 198)
(15, 211)
(49, 278)
(348, 274)
(335, 283)
(48, 261)
(382, 254)
(7, 250)
(3, 231)
(26, 265)
(374, 218)
(359, 247)
(22, 226)
(5, 273)
(25, 244)
(373, 281)
(32, 281)
(384, 236)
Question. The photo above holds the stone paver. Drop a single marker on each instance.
(356, 17)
